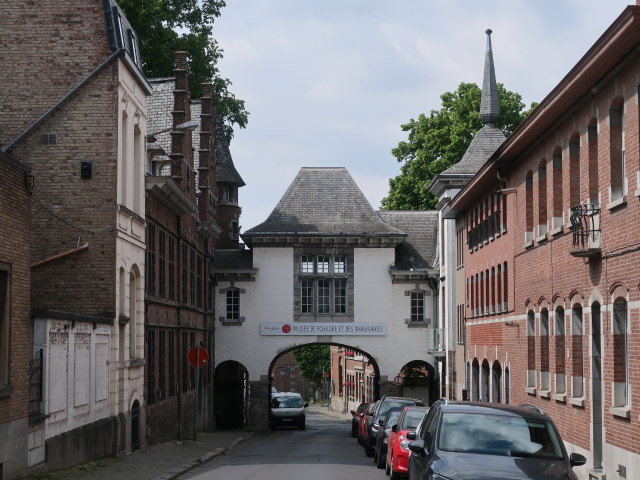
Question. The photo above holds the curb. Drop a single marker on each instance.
(175, 472)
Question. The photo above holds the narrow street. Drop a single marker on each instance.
(325, 450)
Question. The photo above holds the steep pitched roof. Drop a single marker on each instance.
(420, 248)
(323, 202)
(225, 169)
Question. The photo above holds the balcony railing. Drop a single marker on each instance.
(486, 229)
(585, 229)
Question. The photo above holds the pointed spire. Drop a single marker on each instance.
(490, 102)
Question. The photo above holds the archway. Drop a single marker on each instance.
(135, 425)
(475, 380)
(231, 399)
(419, 381)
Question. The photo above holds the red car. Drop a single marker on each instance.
(361, 427)
(398, 446)
(356, 415)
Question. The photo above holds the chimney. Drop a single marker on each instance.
(180, 147)
(206, 168)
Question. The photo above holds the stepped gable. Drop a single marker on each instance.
(420, 249)
(323, 202)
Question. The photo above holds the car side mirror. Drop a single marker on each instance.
(370, 414)
(353, 412)
(381, 422)
(417, 446)
(394, 428)
(306, 404)
(411, 436)
(575, 459)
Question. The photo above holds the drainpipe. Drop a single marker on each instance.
(60, 255)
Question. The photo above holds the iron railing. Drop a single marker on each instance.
(585, 226)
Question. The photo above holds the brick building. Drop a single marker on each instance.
(352, 379)
(74, 111)
(548, 234)
(185, 195)
(16, 332)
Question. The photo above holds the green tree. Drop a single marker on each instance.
(438, 141)
(166, 26)
(313, 360)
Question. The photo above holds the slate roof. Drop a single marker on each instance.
(420, 248)
(323, 202)
(159, 107)
(484, 144)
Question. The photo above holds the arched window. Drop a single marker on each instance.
(544, 350)
(505, 287)
(556, 162)
(507, 386)
(487, 299)
(496, 382)
(574, 170)
(616, 150)
(620, 354)
(542, 199)
(134, 320)
(493, 289)
(528, 182)
(475, 380)
(577, 370)
(484, 394)
(531, 349)
(481, 293)
(592, 138)
(561, 385)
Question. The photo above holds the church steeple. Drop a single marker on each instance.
(490, 103)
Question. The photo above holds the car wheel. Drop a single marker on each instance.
(368, 450)
(381, 461)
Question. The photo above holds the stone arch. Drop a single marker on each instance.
(475, 380)
(419, 381)
(496, 382)
(485, 373)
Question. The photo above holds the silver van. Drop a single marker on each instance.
(287, 409)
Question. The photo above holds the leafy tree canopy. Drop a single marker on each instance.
(164, 27)
(440, 140)
(313, 360)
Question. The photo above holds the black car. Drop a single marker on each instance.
(482, 441)
(373, 418)
(356, 415)
(385, 424)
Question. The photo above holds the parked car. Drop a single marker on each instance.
(363, 420)
(385, 424)
(287, 409)
(474, 441)
(356, 415)
(373, 418)
(398, 445)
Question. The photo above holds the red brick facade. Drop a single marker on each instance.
(571, 287)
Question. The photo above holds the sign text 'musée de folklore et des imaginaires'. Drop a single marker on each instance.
(328, 328)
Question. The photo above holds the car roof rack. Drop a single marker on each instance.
(535, 407)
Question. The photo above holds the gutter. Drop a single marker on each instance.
(60, 255)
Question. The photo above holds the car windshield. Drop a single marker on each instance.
(412, 419)
(498, 435)
(385, 407)
(286, 402)
(392, 416)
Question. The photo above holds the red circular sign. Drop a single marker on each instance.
(286, 328)
(398, 380)
(203, 356)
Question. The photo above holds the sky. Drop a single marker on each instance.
(328, 83)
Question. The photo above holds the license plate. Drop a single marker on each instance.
(287, 419)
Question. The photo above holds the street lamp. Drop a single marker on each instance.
(183, 127)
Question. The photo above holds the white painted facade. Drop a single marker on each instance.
(270, 298)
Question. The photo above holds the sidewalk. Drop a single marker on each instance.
(168, 460)
(161, 462)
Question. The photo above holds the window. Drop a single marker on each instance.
(151, 260)
(4, 323)
(576, 354)
(528, 181)
(556, 162)
(544, 350)
(531, 349)
(323, 284)
(561, 386)
(542, 198)
(620, 354)
(233, 305)
(162, 242)
(574, 170)
(417, 306)
(616, 150)
(172, 268)
(592, 138)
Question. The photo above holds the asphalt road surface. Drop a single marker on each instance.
(325, 450)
